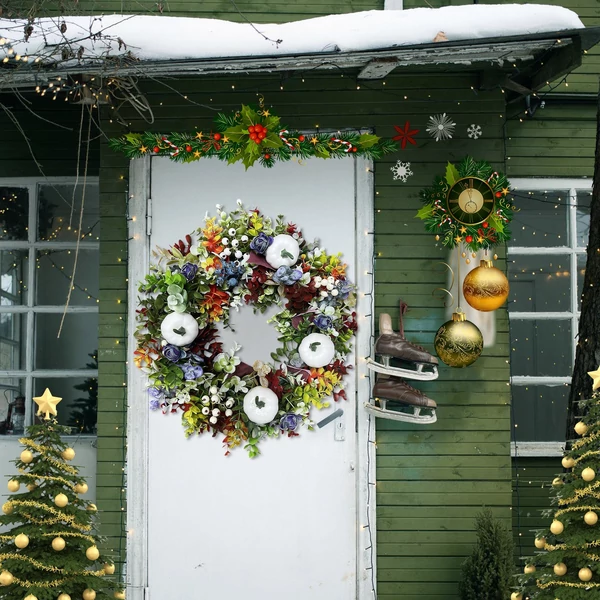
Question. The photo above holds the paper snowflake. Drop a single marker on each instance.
(401, 171)
(441, 127)
(474, 131)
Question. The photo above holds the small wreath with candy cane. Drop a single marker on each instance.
(237, 258)
(495, 230)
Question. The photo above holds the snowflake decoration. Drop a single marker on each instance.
(401, 171)
(441, 127)
(474, 131)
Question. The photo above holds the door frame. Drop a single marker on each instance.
(140, 227)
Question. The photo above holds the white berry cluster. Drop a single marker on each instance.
(232, 245)
(327, 285)
(219, 403)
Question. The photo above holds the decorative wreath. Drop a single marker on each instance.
(250, 135)
(238, 258)
(495, 229)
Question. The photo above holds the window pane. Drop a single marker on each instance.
(58, 212)
(14, 213)
(78, 340)
(539, 283)
(13, 277)
(12, 341)
(581, 263)
(541, 347)
(540, 413)
(541, 219)
(79, 400)
(12, 406)
(54, 271)
(584, 201)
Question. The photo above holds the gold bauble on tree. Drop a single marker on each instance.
(585, 574)
(560, 569)
(31, 486)
(61, 500)
(119, 594)
(568, 462)
(89, 594)
(557, 481)
(109, 568)
(540, 543)
(516, 596)
(458, 342)
(68, 454)
(556, 527)
(92, 507)
(7, 508)
(58, 544)
(529, 569)
(21, 541)
(64, 596)
(26, 456)
(6, 578)
(81, 488)
(581, 428)
(13, 485)
(588, 474)
(590, 518)
(485, 288)
(31, 597)
(92, 553)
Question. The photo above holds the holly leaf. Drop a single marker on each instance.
(237, 133)
(249, 116)
(272, 122)
(497, 223)
(367, 140)
(452, 175)
(134, 138)
(272, 141)
(425, 212)
(321, 152)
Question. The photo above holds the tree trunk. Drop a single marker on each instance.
(588, 341)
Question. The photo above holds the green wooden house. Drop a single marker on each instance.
(416, 488)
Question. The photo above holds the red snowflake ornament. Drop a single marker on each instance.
(405, 135)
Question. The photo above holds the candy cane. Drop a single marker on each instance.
(284, 139)
(494, 174)
(338, 141)
(499, 213)
(166, 140)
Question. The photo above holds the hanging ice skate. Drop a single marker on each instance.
(394, 398)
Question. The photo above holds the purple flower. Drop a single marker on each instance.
(323, 322)
(260, 243)
(287, 275)
(156, 393)
(290, 422)
(191, 371)
(172, 353)
(189, 271)
(344, 288)
(154, 404)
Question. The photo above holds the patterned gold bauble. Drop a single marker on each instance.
(6, 578)
(89, 594)
(556, 527)
(119, 595)
(109, 569)
(7, 508)
(516, 596)
(585, 574)
(21, 541)
(92, 553)
(458, 342)
(581, 428)
(568, 462)
(61, 500)
(590, 517)
(58, 544)
(26, 456)
(13, 485)
(81, 488)
(68, 454)
(529, 569)
(560, 569)
(557, 481)
(588, 474)
(64, 596)
(485, 288)
(540, 543)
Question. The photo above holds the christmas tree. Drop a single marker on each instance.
(568, 564)
(48, 549)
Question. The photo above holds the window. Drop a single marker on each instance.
(546, 265)
(39, 223)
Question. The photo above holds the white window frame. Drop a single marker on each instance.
(573, 185)
(28, 307)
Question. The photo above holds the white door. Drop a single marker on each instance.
(283, 524)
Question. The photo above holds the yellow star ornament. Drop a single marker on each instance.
(47, 404)
(595, 375)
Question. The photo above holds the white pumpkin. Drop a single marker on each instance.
(261, 405)
(179, 329)
(316, 350)
(283, 252)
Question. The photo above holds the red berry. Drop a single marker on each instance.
(265, 130)
(258, 128)
(267, 156)
(217, 136)
(498, 194)
(156, 149)
(301, 138)
(257, 141)
(188, 148)
(469, 239)
(253, 136)
(251, 129)
(164, 137)
(486, 225)
(354, 149)
(262, 135)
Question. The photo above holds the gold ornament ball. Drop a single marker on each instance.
(485, 288)
(92, 507)
(560, 569)
(109, 569)
(31, 487)
(585, 574)
(7, 508)
(31, 597)
(26, 456)
(13, 485)
(529, 569)
(590, 517)
(58, 544)
(68, 454)
(64, 596)
(61, 500)
(588, 474)
(21, 541)
(540, 543)
(6, 578)
(89, 594)
(119, 595)
(557, 527)
(81, 488)
(458, 342)
(92, 553)
(581, 428)
(516, 596)
(568, 462)
(557, 481)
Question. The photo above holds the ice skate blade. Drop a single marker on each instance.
(405, 373)
(386, 413)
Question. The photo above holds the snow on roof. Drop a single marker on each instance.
(169, 38)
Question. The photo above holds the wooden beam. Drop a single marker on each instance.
(378, 68)
(561, 61)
